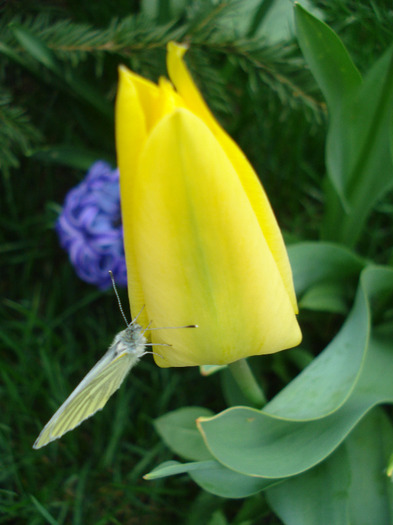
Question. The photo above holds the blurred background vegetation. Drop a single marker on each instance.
(58, 76)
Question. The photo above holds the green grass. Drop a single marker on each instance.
(53, 329)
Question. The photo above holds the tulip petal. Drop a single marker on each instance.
(131, 134)
(200, 254)
(185, 85)
(187, 89)
(140, 104)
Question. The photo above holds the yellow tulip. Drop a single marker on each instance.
(201, 241)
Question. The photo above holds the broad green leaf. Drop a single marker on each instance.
(329, 61)
(258, 443)
(254, 443)
(273, 20)
(326, 383)
(326, 297)
(269, 21)
(227, 483)
(213, 477)
(316, 262)
(358, 151)
(179, 431)
(371, 491)
(348, 487)
(320, 495)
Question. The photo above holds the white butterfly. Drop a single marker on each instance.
(98, 385)
(101, 382)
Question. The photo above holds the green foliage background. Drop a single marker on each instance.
(56, 118)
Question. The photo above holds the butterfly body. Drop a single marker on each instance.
(98, 385)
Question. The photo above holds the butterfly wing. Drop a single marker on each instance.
(89, 396)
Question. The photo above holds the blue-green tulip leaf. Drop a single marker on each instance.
(179, 431)
(227, 483)
(213, 477)
(325, 297)
(320, 495)
(326, 383)
(348, 487)
(321, 262)
(259, 443)
(172, 468)
(371, 490)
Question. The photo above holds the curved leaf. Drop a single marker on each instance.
(172, 468)
(349, 487)
(318, 496)
(179, 431)
(326, 383)
(316, 262)
(227, 483)
(257, 443)
(214, 478)
(371, 490)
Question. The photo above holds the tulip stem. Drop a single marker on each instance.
(245, 379)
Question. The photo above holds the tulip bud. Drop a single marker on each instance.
(201, 241)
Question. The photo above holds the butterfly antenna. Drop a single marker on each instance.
(118, 297)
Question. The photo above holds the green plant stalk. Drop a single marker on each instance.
(244, 377)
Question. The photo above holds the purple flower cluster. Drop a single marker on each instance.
(90, 227)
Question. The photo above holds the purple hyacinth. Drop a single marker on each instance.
(90, 227)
